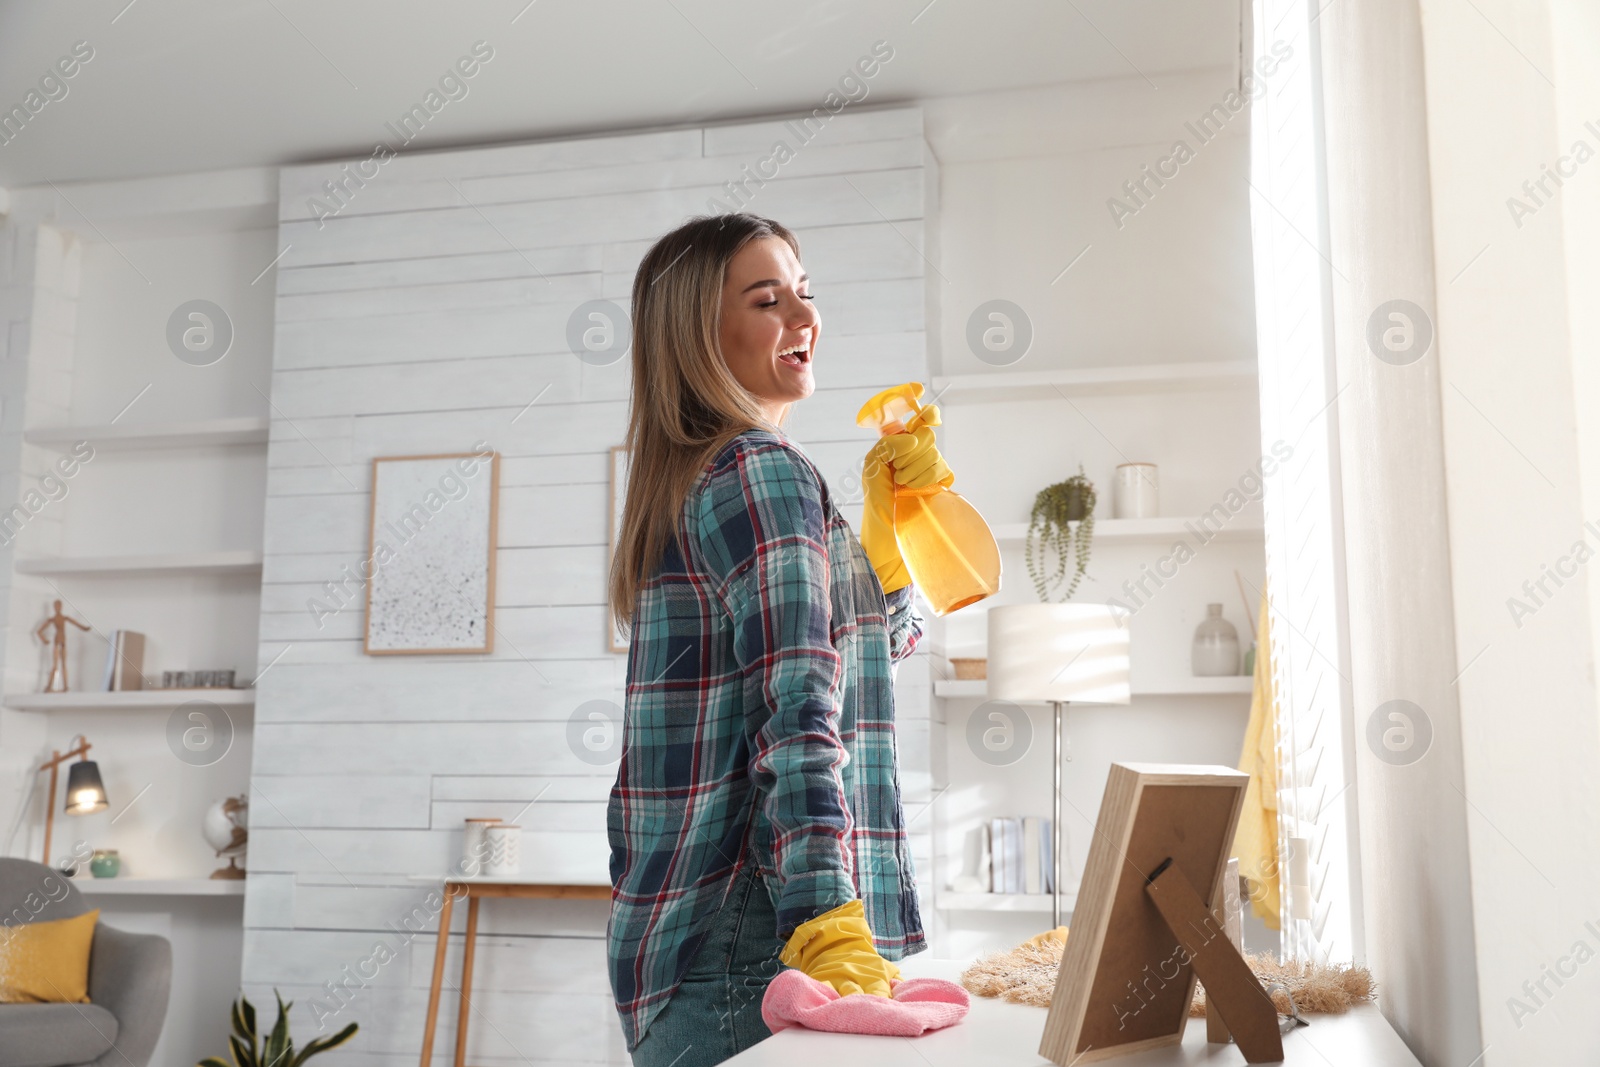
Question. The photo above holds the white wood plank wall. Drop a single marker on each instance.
(428, 314)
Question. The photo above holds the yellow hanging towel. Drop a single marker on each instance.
(1255, 842)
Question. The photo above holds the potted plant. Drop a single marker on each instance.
(1062, 521)
(278, 1049)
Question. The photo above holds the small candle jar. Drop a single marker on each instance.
(105, 863)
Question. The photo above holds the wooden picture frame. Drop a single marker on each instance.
(430, 566)
(616, 496)
(1141, 928)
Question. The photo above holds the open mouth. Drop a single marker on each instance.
(796, 355)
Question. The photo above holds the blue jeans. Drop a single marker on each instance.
(716, 1012)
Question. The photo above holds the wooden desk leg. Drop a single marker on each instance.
(466, 982)
(438, 978)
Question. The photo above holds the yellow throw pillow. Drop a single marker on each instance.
(47, 963)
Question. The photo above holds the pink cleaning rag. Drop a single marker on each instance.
(916, 1005)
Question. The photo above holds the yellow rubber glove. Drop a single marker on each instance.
(836, 947)
(910, 459)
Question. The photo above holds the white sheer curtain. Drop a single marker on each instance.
(1321, 915)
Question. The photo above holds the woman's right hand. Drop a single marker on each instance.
(909, 459)
(836, 947)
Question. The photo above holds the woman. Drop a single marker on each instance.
(756, 819)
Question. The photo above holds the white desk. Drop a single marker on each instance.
(998, 1034)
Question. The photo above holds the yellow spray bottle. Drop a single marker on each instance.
(948, 549)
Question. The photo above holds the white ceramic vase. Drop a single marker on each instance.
(1215, 652)
(505, 850)
(475, 846)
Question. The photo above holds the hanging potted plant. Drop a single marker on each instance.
(1054, 650)
(1062, 522)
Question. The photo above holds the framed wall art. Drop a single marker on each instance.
(430, 566)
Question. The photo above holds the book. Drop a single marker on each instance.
(997, 855)
(1047, 852)
(127, 660)
(111, 661)
(986, 858)
(1033, 867)
(1014, 858)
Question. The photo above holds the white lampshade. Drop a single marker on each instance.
(1070, 652)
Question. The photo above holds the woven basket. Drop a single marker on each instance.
(970, 670)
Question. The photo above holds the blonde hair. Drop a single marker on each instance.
(686, 404)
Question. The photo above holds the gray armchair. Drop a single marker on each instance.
(130, 976)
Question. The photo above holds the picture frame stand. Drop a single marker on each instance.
(1234, 997)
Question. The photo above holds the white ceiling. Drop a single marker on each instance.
(194, 85)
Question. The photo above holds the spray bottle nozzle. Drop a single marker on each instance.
(894, 410)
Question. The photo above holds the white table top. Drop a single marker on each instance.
(998, 1034)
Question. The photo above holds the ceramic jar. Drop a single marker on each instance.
(1136, 493)
(475, 847)
(505, 850)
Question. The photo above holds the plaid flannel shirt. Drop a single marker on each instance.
(760, 717)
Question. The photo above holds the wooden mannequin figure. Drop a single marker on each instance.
(58, 647)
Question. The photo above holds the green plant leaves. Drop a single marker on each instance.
(279, 1048)
(323, 1044)
(244, 1025)
(1054, 525)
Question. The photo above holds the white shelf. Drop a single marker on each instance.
(1239, 683)
(1162, 531)
(1089, 381)
(1029, 902)
(236, 561)
(207, 433)
(160, 887)
(159, 699)
(512, 879)
(1242, 683)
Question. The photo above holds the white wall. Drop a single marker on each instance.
(1575, 29)
(92, 348)
(1025, 179)
(1026, 176)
